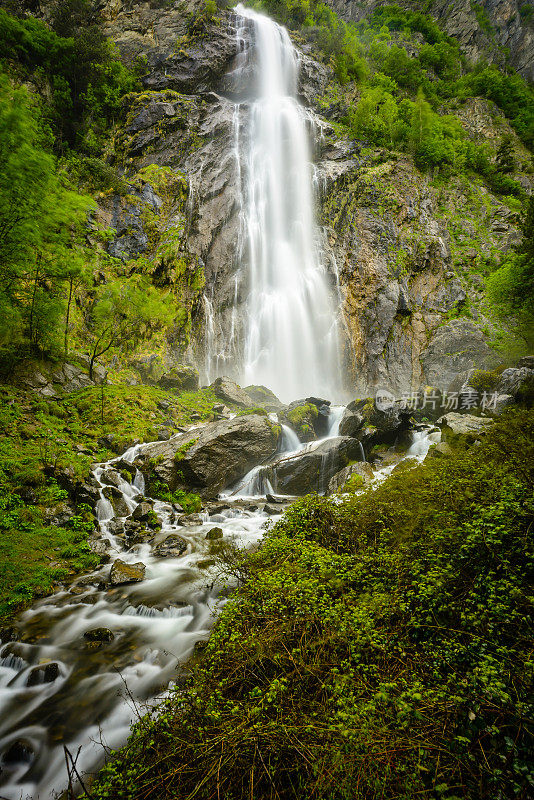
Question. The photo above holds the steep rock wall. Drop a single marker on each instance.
(409, 255)
(500, 31)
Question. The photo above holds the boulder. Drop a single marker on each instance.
(116, 499)
(311, 470)
(213, 457)
(465, 427)
(338, 481)
(184, 378)
(375, 421)
(144, 512)
(514, 379)
(440, 450)
(351, 423)
(214, 533)
(190, 519)
(262, 396)
(126, 573)
(99, 635)
(230, 392)
(172, 547)
(110, 478)
(302, 417)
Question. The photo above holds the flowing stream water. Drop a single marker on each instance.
(58, 687)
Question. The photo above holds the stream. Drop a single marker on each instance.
(59, 688)
(84, 663)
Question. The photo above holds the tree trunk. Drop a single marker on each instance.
(71, 285)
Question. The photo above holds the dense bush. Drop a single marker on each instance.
(380, 648)
(75, 69)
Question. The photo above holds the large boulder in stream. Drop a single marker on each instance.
(311, 470)
(121, 572)
(210, 458)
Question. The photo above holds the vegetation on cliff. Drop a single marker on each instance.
(378, 647)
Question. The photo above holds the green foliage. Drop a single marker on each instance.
(125, 312)
(511, 285)
(319, 24)
(42, 227)
(34, 555)
(509, 91)
(76, 70)
(505, 160)
(190, 502)
(379, 648)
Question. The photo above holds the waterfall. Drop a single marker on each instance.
(291, 336)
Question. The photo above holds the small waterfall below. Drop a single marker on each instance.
(291, 332)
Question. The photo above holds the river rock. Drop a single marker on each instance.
(126, 573)
(44, 673)
(99, 635)
(116, 499)
(213, 457)
(214, 533)
(230, 392)
(173, 546)
(312, 470)
(110, 477)
(190, 519)
(338, 481)
(465, 427)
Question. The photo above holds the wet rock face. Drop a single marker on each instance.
(385, 237)
(311, 471)
(393, 253)
(212, 457)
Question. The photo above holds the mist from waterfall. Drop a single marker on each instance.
(291, 336)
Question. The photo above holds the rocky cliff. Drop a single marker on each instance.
(500, 31)
(408, 252)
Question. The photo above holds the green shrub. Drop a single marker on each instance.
(380, 648)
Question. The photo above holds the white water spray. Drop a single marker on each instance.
(291, 342)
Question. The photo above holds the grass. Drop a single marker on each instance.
(41, 463)
(377, 648)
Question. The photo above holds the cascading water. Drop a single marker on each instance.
(291, 342)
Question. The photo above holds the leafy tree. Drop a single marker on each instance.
(80, 76)
(41, 225)
(376, 118)
(125, 312)
(505, 155)
(511, 286)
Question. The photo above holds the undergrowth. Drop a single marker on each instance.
(378, 648)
